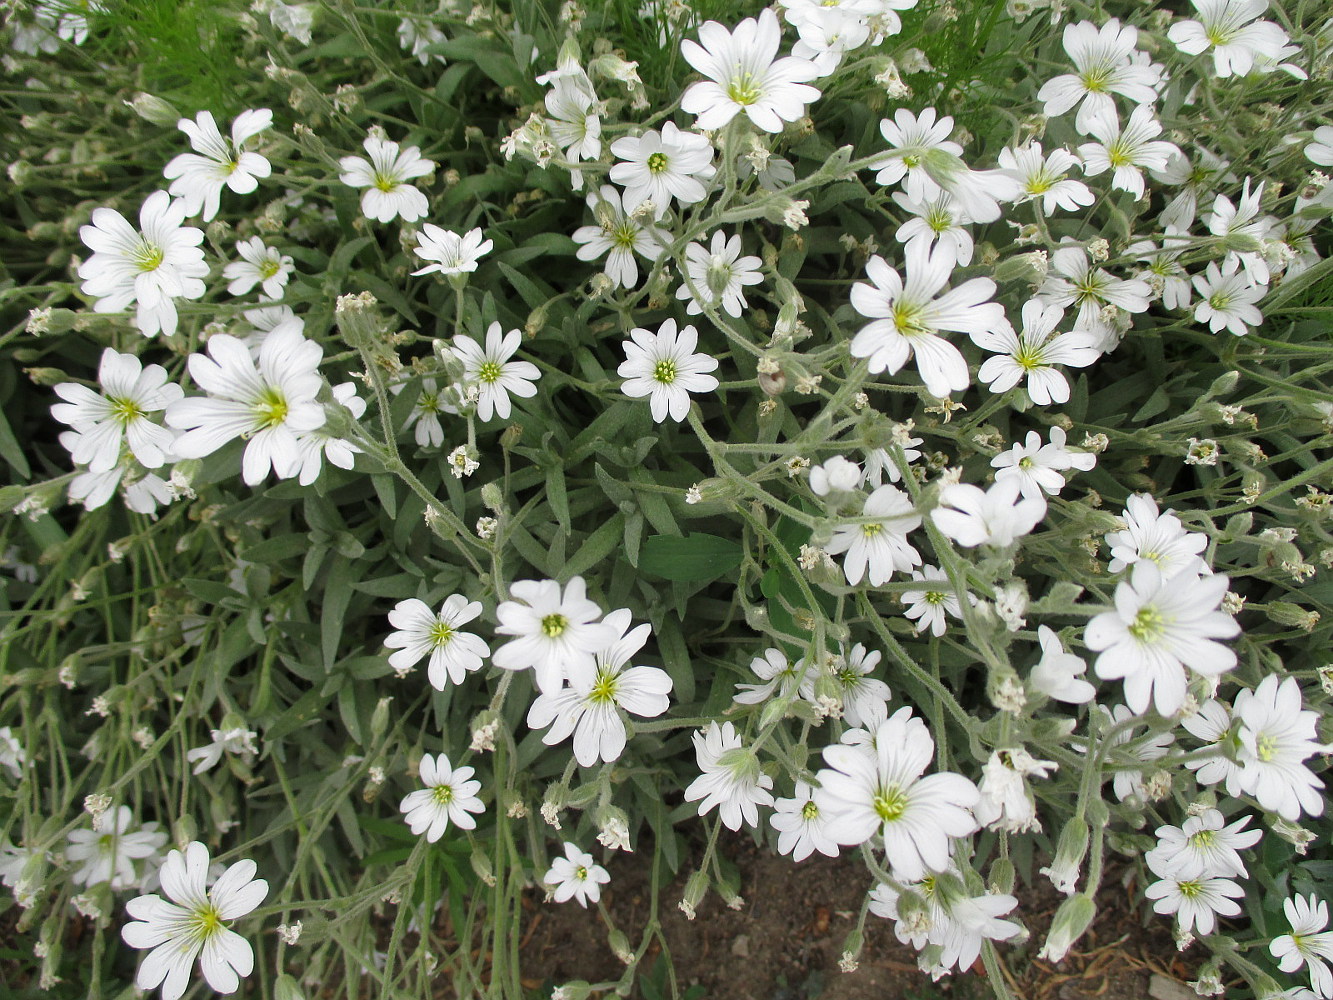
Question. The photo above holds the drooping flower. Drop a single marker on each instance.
(448, 252)
(1006, 801)
(576, 876)
(997, 516)
(154, 266)
(270, 401)
(119, 414)
(198, 178)
(732, 781)
(664, 367)
(1059, 674)
(1160, 627)
(494, 372)
(235, 740)
(745, 75)
(908, 316)
(450, 796)
(260, 264)
(423, 632)
(589, 706)
(322, 443)
(418, 36)
(384, 176)
(194, 924)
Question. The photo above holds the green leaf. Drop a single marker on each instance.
(696, 556)
(337, 595)
(301, 712)
(596, 548)
(10, 450)
(273, 550)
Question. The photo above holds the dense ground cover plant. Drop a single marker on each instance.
(476, 440)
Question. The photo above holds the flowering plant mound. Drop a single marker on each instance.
(488, 439)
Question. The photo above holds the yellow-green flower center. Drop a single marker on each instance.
(889, 803)
(743, 88)
(1148, 624)
(657, 162)
(205, 922)
(809, 810)
(1190, 889)
(440, 633)
(489, 372)
(269, 268)
(935, 597)
(271, 409)
(553, 626)
(147, 256)
(581, 873)
(665, 371)
(604, 689)
(1265, 748)
(124, 410)
(1203, 838)
(907, 320)
(385, 182)
(442, 794)
(872, 529)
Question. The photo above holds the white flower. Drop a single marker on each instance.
(1229, 29)
(119, 414)
(107, 852)
(271, 402)
(1203, 848)
(385, 176)
(1276, 736)
(1160, 627)
(492, 371)
(660, 166)
(152, 268)
(1045, 179)
(1127, 782)
(827, 33)
(319, 444)
(1243, 223)
(422, 632)
(1196, 902)
(450, 796)
(1160, 538)
(1164, 273)
(880, 790)
(12, 756)
(1308, 943)
(294, 19)
(198, 178)
(802, 825)
(589, 707)
(864, 698)
(1006, 802)
(928, 606)
(1074, 281)
(237, 740)
(556, 632)
(907, 317)
(194, 924)
(941, 220)
(1227, 299)
(718, 274)
(577, 877)
(878, 544)
(619, 236)
(998, 516)
(449, 252)
(1320, 148)
(1059, 674)
(1033, 353)
(1037, 467)
(259, 263)
(744, 74)
(425, 415)
(1126, 152)
(1103, 59)
(955, 926)
(837, 475)
(732, 781)
(778, 675)
(419, 36)
(575, 121)
(664, 367)
(1216, 761)
(916, 145)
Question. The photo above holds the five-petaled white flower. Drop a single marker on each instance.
(1105, 65)
(929, 604)
(493, 372)
(802, 825)
(589, 706)
(198, 178)
(385, 176)
(119, 413)
(1227, 299)
(1229, 28)
(448, 252)
(556, 632)
(1276, 736)
(620, 236)
(108, 852)
(1196, 902)
(718, 274)
(261, 265)
(193, 925)
(1033, 353)
(271, 402)
(153, 267)
(920, 152)
(664, 367)
(576, 876)
(877, 546)
(744, 74)
(422, 632)
(997, 516)
(1160, 626)
(660, 166)
(1126, 151)
(1308, 943)
(732, 781)
(450, 796)
(1043, 177)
